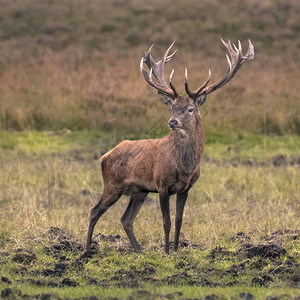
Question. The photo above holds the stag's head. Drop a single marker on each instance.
(185, 110)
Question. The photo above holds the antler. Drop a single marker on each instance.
(157, 69)
(234, 63)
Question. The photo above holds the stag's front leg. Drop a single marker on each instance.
(180, 202)
(165, 209)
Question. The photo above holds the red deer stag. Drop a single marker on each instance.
(169, 165)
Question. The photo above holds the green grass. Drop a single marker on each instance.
(52, 179)
(242, 146)
(165, 292)
(224, 145)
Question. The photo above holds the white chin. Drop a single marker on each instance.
(183, 133)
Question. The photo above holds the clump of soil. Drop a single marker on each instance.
(6, 293)
(295, 280)
(235, 270)
(212, 297)
(113, 242)
(68, 282)
(280, 235)
(186, 265)
(133, 277)
(59, 270)
(123, 278)
(38, 282)
(262, 281)
(5, 280)
(144, 294)
(23, 257)
(62, 241)
(186, 278)
(109, 238)
(17, 294)
(246, 296)
(263, 250)
(184, 243)
(220, 252)
(85, 257)
(279, 160)
(85, 192)
(241, 237)
(9, 293)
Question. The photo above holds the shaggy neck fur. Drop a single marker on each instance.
(187, 146)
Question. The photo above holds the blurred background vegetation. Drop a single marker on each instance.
(75, 64)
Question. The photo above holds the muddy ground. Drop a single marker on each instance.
(264, 263)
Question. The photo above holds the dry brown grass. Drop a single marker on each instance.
(75, 65)
(57, 91)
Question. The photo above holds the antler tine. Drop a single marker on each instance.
(148, 58)
(194, 94)
(171, 84)
(157, 69)
(150, 74)
(240, 46)
(249, 54)
(167, 57)
(148, 78)
(235, 61)
(170, 56)
(159, 72)
(204, 84)
(223, 79)
(186, 84)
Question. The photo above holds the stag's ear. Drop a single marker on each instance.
(166, 99)
(200, 99)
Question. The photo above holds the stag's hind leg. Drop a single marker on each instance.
(135, 203)
(108, 198)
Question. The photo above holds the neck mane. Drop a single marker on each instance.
(187, 146)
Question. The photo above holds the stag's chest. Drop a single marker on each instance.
(184, 181)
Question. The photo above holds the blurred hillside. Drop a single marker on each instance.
(75, 64)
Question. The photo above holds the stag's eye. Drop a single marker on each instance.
(191, 110)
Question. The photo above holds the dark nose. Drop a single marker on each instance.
(173, 123)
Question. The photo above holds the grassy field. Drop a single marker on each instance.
(71, 89)
(240, 232)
